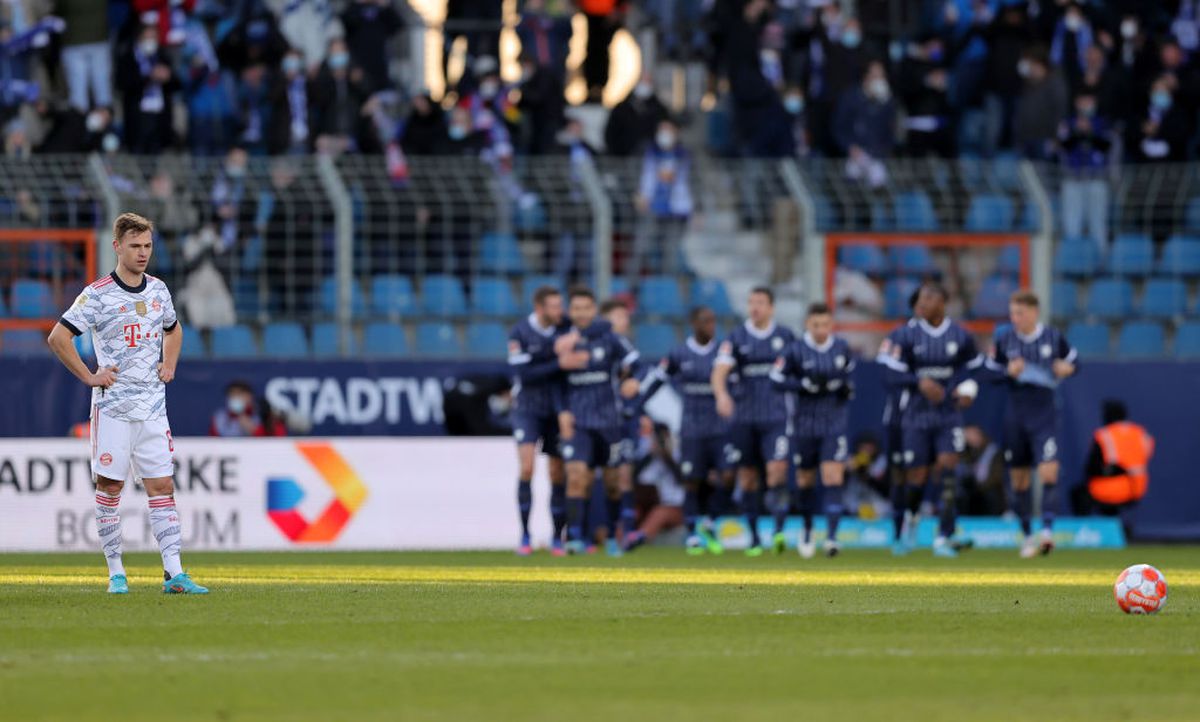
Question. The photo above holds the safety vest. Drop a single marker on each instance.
(1127, 445)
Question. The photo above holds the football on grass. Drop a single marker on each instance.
(1141, 589)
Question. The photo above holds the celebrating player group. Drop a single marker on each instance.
(767, 411)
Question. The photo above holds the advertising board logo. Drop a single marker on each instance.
(284, 495)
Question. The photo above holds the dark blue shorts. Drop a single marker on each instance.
(810, 451)
(758, 443)
(702, 455)
(923, 446)
(530, 429)
(598, 448)
(631, 435)
(1029, 442)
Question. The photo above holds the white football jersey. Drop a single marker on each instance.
(127, 325)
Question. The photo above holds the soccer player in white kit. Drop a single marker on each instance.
(137, 339)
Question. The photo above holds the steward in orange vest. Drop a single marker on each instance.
(1118, 464)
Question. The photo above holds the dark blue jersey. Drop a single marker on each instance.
(946, 353)
(591, 393)
(896, 395)
(752, 353)
(819, 375)
(1034, 389)
(689, 367)
(534, 364)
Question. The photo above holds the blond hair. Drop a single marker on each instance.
(127, 223)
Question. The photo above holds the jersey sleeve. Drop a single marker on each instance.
(522, 364)
(786, 375)
(1065, 350)
(894, 357)
(170, 318)
(625, 351)
(968, 354)
(727, 352)
(83, 314)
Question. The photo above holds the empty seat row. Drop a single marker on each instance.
(1113, 298)
(444, 296)
(986, 213)
(1131, 255)
(30, 298)
(1135, 341)
(911, 259)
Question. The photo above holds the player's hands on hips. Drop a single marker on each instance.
(931, 390)
(1016, 366)
(1062, 368)
(166, 373)
(104, 377)
(566, 425)
(725, 406)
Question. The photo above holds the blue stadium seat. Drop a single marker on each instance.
(193, 344)
(655, 340)
(1141, 340)
(1110, 299)
(865, 258)
(912, 259)
(443, 296)
(236, 341)
(530, 284)
(327, 298)
(1187, 341)
(437, 339)
(493, 297)
(384, 339)
(247, 302)
(1089, 339)
(24, 342)
(1180, 257)
(622, 286)
(487, 340)
(1191, 216)
(896, 293)
(990, 212)
(326, 339)
(1031, 216)
(824, 215)
(1064, 299)
(1077, 257)
(1132, 255)
(914, 212)
(992, 299)
(4, 308)
(33, 299)
(1009, 262)
(393, 296)
(499, 253)
(711, 292)
(1164, 298)
(660, 295)
(881, 217)
(1005, 168)
(284, 340)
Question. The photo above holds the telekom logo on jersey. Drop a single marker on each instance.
(133, 334)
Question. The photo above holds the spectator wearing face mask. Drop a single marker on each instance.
(923, 87)
(1007, 35)
(254, 39)
(1085, 143)
(147, 85)
(1181, 73)
(756, 77)
(291, 130)
(633, 122)
(462, 138)
(864, 127)
(337, 97)
(1041, 107)
(1134, 54)
(664, 200)
(797, 122)
(1073, 35)
(1104, 82)
(255, 109)
(1164, 132)
(231, 199)
(238, 417)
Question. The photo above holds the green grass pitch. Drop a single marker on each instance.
(655, 635)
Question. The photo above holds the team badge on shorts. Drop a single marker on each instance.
(105, 459)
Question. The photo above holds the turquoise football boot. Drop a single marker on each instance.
(182, 584)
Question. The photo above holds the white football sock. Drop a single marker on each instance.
(108, 527)
(164, 522)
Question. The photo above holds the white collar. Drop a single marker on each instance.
(811, 343)
(1037, 331)
(695, 346)
(758, 333)
(541, 330)
(938, 330)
